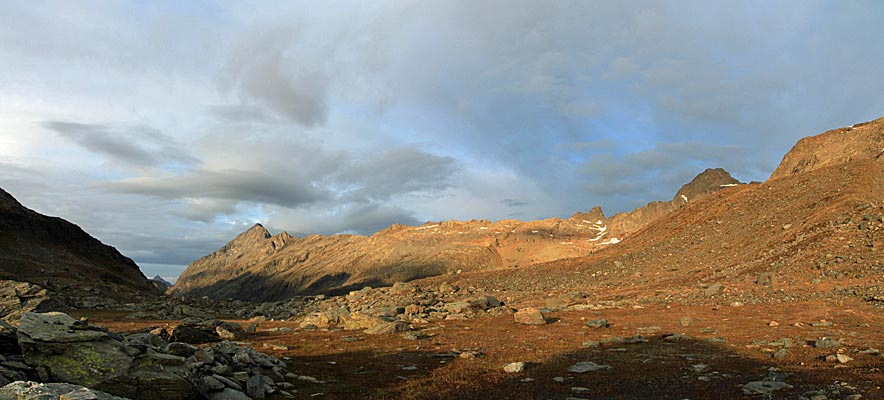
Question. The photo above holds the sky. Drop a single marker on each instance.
(166, 128)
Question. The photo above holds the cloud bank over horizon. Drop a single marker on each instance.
(164, 129)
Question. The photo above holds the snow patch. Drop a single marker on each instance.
(611, 241)
(729, 185)
(426, 227)
(566, 243)
(685, 198)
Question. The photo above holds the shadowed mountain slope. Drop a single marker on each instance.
(61, 257)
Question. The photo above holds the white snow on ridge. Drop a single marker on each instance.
(426, 227)
(729, 185)
(685, 198)
(611, 241)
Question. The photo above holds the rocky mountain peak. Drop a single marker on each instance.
(862, 141)
(596, 214)
(256, 234)
(710, 180)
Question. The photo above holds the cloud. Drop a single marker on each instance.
(268, 69)
(332, 117)
(227, 185)
(513, 203)
(398, 171)
(141, 146)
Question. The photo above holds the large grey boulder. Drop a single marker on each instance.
(71, 351)
(25, 390)
(76, 352)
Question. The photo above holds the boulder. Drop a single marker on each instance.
(387, 327)
(530, 316)
(356, 321)
(70, 351)
(230, 331)
(193, 331)
(75, 352)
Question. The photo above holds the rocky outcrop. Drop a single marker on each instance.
(75, 352)
(864, 141)
(258, 266)
(56, 254)
(58, 348)
(18, 298)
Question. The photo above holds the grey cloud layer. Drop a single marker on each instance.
(141, 145)
(347, 117)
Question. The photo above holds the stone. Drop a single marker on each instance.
(209, 384)
(827, 343)
(764, 387)
(230, 331)
(180, 349)
(685, 321)
(81, 356)
(514, 367)
(713, 289)
(529, 316)
(587, 366)
(839, 358)
(26, 390)
(191, 332)
(386, 328)
(781, 354)
(590, 343)
(357, 321)
(18, 298)
(257, 385)
(228, 394)
(154, 376)
(598, 323)
(76, 352)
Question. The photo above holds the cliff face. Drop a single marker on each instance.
(863, 141)
(257, 266)
(62, 258)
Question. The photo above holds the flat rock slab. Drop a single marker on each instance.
(587, 366)
(764, 387)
